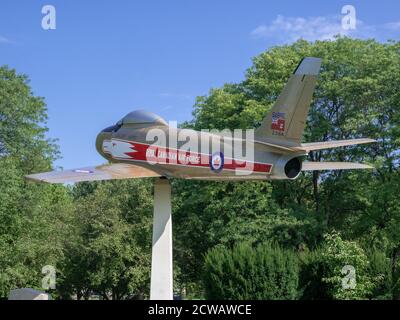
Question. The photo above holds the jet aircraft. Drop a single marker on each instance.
(142, 144)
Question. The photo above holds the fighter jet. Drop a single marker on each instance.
(142, 144)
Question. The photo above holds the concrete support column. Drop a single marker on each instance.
(161, 287)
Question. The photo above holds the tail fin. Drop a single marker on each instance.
(287, 118)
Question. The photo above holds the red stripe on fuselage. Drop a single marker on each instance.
(161, 155)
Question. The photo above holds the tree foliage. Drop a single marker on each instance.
(34, 218)
(340, 268)
(356, 96)
(110, 253)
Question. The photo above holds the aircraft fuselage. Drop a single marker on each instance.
(190, 154)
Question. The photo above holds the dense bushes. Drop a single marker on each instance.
(243, 272)
(384, 284)
(338, 269)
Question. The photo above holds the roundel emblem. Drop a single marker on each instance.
(217, 162)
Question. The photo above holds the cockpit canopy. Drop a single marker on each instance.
(139, 117)
(142, 117)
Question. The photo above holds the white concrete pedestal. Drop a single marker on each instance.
(161, 287)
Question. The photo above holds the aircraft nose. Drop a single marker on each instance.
(105, 134)
(110, 129)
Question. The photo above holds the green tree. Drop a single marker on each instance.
(328, 272)
(110, 252)
(356, 96)
(207, 214)
(380, 270)
(33, 217)
(22, 115)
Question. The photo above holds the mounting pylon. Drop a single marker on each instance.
(161, 287)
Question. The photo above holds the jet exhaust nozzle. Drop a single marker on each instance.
(287, 167)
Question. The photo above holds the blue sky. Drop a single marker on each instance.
(106, 58)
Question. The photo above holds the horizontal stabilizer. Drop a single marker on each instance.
(319, 166)
(331, 144)
(103, 172)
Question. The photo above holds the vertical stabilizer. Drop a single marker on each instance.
(287, 118)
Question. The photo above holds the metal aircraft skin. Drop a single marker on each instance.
(143, 145)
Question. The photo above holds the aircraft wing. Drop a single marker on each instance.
(103, 172)
(331, 144)
(312, 166)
